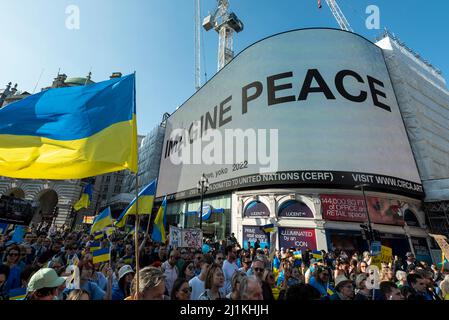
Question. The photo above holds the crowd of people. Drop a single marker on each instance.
(60, 266)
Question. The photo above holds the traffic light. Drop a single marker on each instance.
(366, 234)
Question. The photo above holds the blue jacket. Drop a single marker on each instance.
(117, 293)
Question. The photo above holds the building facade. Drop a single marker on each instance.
(340, 127)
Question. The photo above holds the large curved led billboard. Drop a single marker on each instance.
(310, 107)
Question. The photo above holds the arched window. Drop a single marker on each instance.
(256, 208)
(294, 209)
(410, 218)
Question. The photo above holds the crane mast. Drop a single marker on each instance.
(225, 23)
(197, 45)
(339, 16)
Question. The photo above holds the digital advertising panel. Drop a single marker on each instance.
(309, 107)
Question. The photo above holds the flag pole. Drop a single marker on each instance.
(137, 222)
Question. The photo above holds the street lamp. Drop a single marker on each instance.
(370, 228)
(203, 185)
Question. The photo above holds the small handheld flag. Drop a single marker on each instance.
(17, 294)
(98, 235)
(96, 245)
(268, 228)
(101, 255)
(86, 198)
(102, 221)
(317, 255)
(158, 233)
(330, 291)
(3, 227)
(146, 198)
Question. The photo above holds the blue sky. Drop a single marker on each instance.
(155, 38)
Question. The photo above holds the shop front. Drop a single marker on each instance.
(216, 216)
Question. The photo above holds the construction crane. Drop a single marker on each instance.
(197, 45)
(338, 14)
(225, 23)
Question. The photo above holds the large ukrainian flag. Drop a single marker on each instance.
(146, 198)
(70, 133)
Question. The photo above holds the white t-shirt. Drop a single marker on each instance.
(171, 273)
(228, 270)
(197, 288)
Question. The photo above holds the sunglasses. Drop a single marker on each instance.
(246, 262)
(259, 269)
(187, 290)
(13, 254)
(191, 267)
(218, 258)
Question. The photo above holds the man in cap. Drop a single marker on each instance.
(44, 285)
(344, 287)
(122, 287)
(410, 262)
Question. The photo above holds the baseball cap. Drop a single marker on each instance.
(340, 280)
(359, 279)
(44, 278)
(409, 254)
(124, 271)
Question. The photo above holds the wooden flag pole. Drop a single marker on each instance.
(137, 222)
(136, 233)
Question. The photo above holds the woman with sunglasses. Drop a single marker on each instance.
(214, 282)
(362, 267)
(235, 283)
(320, 281)
(12, 260)
(181, 290)
(187, 271)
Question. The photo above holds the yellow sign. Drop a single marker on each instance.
(444, 246)
(386, 256)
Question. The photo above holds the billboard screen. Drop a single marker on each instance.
(252, 233)
(297, 238)
(352, 208)
(16, 211)
(308, 107)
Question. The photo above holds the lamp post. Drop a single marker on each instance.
(370, 228)
(203, 185)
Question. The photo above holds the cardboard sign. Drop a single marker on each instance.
(442, 243)
(385, 256)
(185, 238)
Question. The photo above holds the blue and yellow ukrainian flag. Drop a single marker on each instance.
(3, 227)
(101, 255)
(96, 245)
(70, 133)
(297, 255)
(330, 291)
(268, 228)
(146, 198)
(17, 294)
(158, 233)
(102, 221)
(317, 255)
(86, 198)
(98, 235)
